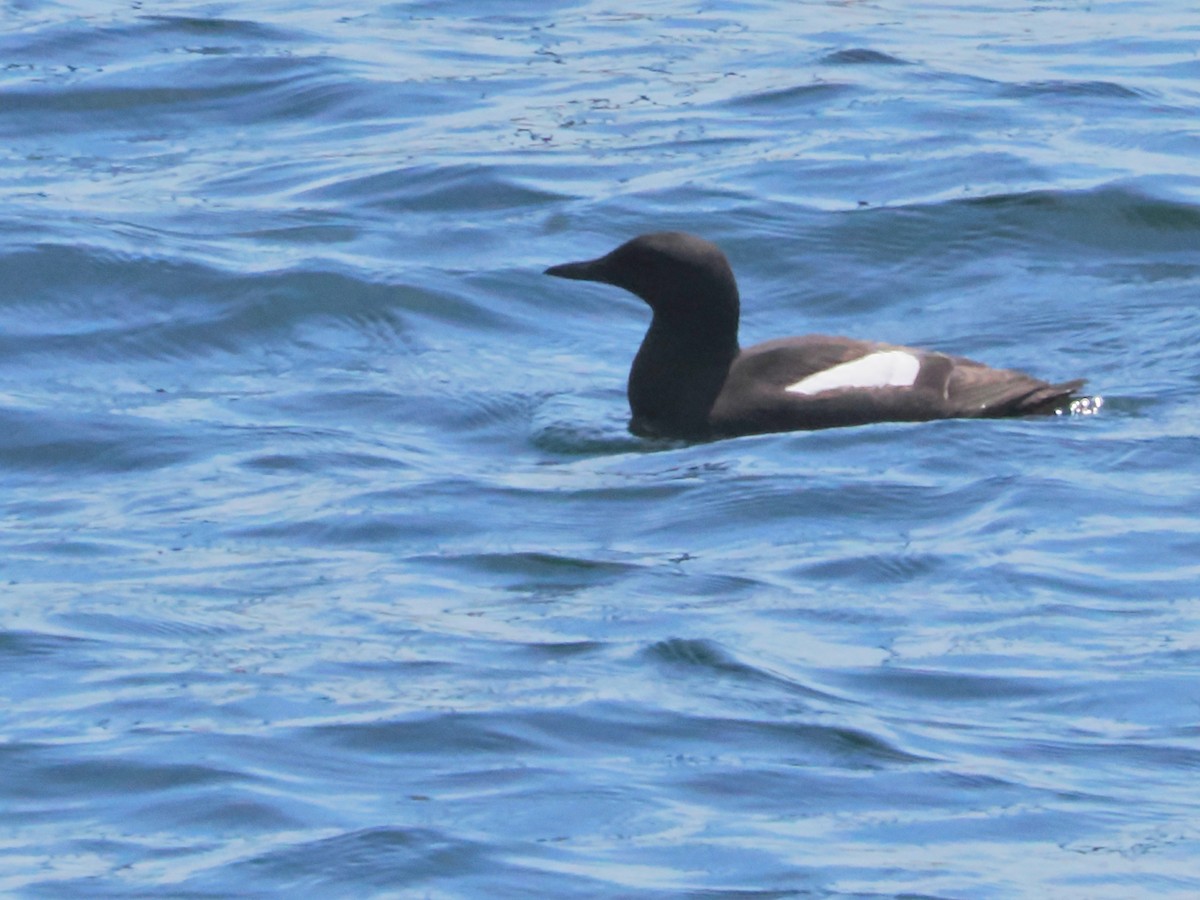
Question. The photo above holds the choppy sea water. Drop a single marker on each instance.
(330, 568)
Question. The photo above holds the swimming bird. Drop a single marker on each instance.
(690, 379)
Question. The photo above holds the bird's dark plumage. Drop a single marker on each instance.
(690, 379)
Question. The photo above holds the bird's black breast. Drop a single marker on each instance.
(674, 383)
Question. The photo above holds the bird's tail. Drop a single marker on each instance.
(1048, 399)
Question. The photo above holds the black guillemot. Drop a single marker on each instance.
(691, 380)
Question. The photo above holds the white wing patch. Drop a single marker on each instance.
(884, 368)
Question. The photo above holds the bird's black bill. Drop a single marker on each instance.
(588, 270)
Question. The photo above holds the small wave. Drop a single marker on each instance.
(583, 425)
(73, 50)
(861, 56)
(875, 569)
(797, 95)
(1067, 89)
(374, 861)
(57, 440)
(1108, 216)
(17, 644)
(907, 683)
(91, 304)
(435, 189)
(1116, 221)
(536, 572)
(120, 777)
(213, 29)
(704, 657)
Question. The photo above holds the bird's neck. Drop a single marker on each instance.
(677, 374)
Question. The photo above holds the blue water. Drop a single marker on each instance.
(331, 570)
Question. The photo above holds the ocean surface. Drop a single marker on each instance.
(330, 568)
